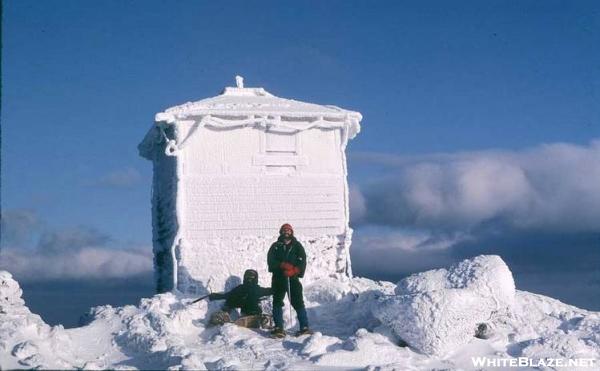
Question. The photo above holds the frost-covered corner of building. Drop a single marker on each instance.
(440, 310)
(229, 170)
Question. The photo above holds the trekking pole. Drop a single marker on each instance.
(289, 299)
(200, 298)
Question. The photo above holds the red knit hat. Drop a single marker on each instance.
(286, 225)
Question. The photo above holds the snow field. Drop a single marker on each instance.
(358, 325)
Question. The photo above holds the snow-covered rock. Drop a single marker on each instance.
(25, 340)
(439, 310)
(10, 291)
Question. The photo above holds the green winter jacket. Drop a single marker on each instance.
(293, 253)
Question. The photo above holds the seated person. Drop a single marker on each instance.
(246, 296)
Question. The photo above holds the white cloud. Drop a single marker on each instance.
(72, 253)
(83, 263)
(358, 206)
(383, 252)
(407, 240)
(550, 187)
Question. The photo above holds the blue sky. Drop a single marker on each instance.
(492, 89)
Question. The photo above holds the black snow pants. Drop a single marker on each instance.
(279, 286)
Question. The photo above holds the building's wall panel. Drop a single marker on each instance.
(322, 148)
(217, 206)
(234, 202)
(212, 151)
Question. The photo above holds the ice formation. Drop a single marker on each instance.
(229, 170)
(438, 310)
(166, 332)
(25, 340)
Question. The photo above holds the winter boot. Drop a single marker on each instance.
(303, 322)
(304, 331)
(266, 321)
(278, 333)
(219, 318)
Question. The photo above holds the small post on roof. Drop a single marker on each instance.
(239, 81)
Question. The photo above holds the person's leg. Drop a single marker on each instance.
(279, 290)
(297, 300)
(302, 318)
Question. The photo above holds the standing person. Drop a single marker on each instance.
(287, 262)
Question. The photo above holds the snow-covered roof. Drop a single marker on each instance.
(240, 101)
(240, 107)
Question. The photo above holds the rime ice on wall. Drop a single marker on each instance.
(164, 211)
(229, 170)
(164, 222)
(326, 256)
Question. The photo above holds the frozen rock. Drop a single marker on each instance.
(10, 292)
(439, 310)
(25, 349)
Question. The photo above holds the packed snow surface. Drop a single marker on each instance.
(359, 324)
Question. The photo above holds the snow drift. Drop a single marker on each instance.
(438, 310)
(359, 323)
(25, 340)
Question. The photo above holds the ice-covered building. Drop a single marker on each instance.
(229, 170)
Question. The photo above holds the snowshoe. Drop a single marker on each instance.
(252, 321)
(278, 333)
(304, 331)
(255, 321)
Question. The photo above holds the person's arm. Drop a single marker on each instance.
(264, 291)
(217, 296)
(236, 296)
(301, 260)
(272, 261)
